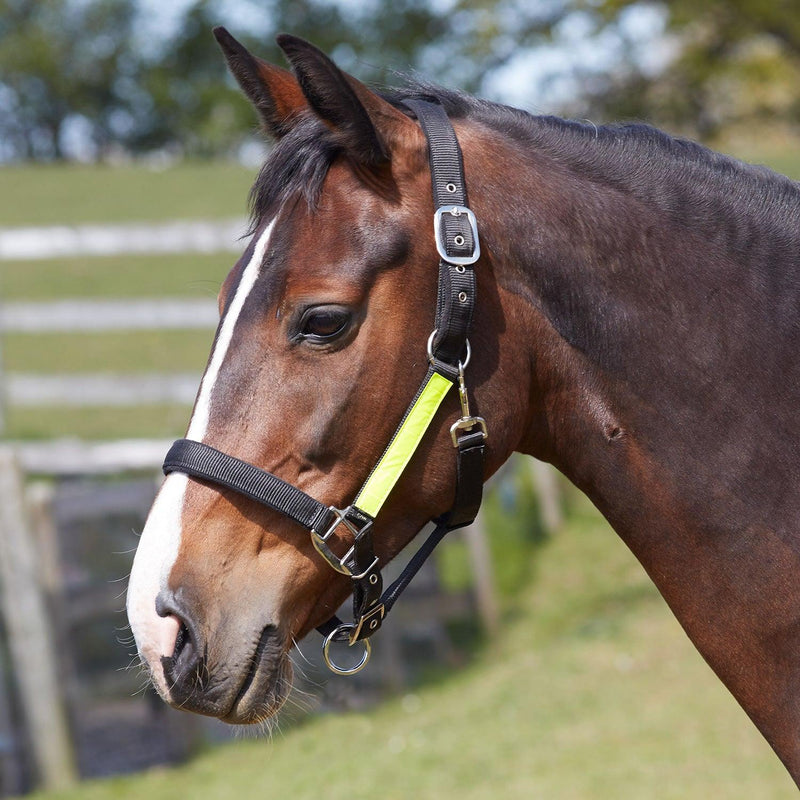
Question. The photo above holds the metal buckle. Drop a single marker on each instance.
(372, 619)
(337, 635)
(467, 420)
(465, 423)
(320, 543)
(456, 211)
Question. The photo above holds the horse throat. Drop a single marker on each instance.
(667, 394)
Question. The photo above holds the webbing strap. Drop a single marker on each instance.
(202, 461)
(456, 294)
(404, 443)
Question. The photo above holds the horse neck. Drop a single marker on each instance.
(665, 392)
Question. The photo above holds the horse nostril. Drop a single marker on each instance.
(181, 640)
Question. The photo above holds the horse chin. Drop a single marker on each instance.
(262, 694)
(241, 688)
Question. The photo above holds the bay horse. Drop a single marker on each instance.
(637, 324)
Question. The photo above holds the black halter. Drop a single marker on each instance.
(456, 235)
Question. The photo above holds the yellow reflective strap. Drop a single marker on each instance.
(374, 492)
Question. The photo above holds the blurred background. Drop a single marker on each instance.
(534, 658)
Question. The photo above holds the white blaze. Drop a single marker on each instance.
(161, 537)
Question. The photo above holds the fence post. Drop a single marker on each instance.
(545, 484)
(481, 561)
(29, 633)
(2, 387)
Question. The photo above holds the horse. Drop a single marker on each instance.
(636, 324)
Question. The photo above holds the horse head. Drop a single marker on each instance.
(321, 343)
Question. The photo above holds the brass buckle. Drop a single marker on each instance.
(467, 421)
(372, 619)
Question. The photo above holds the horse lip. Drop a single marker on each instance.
(263, 689)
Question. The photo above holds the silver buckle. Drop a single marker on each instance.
(456, 211)
(320, 544)
(464, 424)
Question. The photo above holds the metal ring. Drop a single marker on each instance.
(463, 366)
(331, 664)
(430, 350)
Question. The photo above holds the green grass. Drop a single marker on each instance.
(591, 691)
(193, 275)
(44, 422)
(115, 351)
(67, 194)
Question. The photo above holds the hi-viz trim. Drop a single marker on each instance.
(456, 235)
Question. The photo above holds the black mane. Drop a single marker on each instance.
(686, 180)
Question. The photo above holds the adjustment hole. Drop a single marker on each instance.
(461, 269)
(451, 187)
(462, 296)
(459, 241)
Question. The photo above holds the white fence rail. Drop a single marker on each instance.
(86, 316)
(69, 241)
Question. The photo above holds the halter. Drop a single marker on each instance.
(456, 235)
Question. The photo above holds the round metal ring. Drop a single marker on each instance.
(430, 344)
(461, 366)
(332, 665)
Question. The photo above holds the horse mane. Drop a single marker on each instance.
(687, 181)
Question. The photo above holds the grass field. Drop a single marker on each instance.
(57, 195)
(42, 195)
(591, 692)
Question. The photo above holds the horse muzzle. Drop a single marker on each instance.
(240, 678)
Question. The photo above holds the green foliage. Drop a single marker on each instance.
(62, 59)
(724, 63)
(101, 68)
(512, 514)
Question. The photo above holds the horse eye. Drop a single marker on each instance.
(324, 323)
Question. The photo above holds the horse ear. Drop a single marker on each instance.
(368, 126)
(273, 91)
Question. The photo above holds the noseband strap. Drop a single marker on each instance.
(456, 236)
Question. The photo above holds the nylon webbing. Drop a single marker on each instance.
(456, 294)
(202, 461)
(404, 443)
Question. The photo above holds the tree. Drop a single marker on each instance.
(62, 62)
(695, 67)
